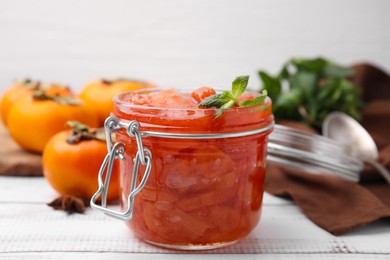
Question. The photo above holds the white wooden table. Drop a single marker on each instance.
(29, 229)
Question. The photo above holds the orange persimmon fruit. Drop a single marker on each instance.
(32, 121)
(99, 94)
(25, 88)
(71, 162)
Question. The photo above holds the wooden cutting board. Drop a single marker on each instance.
(14, 161)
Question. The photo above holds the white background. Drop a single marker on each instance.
(184, 43)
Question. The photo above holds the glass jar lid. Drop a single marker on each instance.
(312, 153)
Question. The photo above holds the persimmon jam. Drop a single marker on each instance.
(201, 193)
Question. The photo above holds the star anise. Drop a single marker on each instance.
(70, 204)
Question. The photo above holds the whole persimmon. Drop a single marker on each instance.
(72, 159)
(34, 120)
(99, 94)
(25, 88)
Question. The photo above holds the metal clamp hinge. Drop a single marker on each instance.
(115, 151)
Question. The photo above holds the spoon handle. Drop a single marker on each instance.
(380, 168)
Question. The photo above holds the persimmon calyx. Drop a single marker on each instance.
(38, 85)
(29, 83)
(81, 132)
(112, 81)
(41, 94)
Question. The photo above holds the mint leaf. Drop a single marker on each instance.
(212, 101)
(226, 96)
(239, 85)
(271, 84)
(255, 101)
(252, 102)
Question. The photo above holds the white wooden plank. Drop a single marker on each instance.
(25, 190)
(27, 225)
(282, 230)
(126, 256)
(37, 189)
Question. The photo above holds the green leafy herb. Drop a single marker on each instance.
(229, 99)
(239, 85)
(255, 101)
(212, 101)
(308, 89)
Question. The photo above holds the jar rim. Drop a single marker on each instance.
(118, 100)
(192, 119)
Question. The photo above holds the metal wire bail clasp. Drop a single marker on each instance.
(117, 150)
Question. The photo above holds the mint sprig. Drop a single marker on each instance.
(229, 99)
(308, 89)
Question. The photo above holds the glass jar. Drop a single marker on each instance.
(205, 170)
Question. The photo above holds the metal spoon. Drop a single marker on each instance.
(343, 128)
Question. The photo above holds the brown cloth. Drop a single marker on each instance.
(334, 204)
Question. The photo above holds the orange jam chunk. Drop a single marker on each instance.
(200, 192)
(167, 98)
